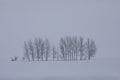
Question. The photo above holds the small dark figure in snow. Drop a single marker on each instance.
(14, 59)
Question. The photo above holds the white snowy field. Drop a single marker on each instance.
(24, 20)
(106, 69)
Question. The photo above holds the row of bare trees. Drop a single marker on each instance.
(70, 48)
(39, 49)
(73, 48)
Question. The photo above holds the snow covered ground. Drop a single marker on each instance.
(99, 69)
(23, 20)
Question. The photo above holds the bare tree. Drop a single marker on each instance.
(63, 48)
(54, 53)
(69, 47)
(38, 42)
(26, 52)
(81, 48)
(31, 49)
(42, 50)
(75, 47)
(47, 49)
(90, 48)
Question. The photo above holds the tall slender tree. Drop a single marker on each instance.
(37, 47)
(42, 50)
(31, 49)
(81, 48)
(54, 53)
(47, 49)
(90, 48)
(26, 52)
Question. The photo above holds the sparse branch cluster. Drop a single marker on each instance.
(69, 49)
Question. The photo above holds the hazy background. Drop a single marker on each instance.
(21, 20)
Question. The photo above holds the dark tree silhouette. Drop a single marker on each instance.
(90, 48)
(54, 53)
(31, 50)
(47, 49)
(70, 48)
(26, 51)
(81, 48)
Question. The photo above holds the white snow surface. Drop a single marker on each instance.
(100, 69)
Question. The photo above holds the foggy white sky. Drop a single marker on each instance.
(21, 20)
